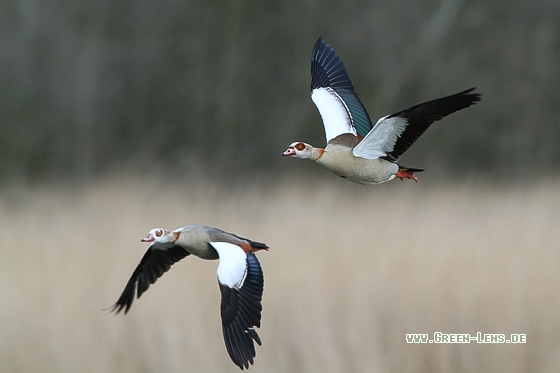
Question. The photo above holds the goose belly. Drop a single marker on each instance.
(361, 170)
(373, 171)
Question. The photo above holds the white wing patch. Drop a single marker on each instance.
(334, 112)
(381, 139)
(232, 268)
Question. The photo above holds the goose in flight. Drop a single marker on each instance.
(357, 150)
(240, 278)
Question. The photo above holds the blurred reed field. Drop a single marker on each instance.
(350, 271)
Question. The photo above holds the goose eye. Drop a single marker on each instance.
(159, 232)
(300, 146)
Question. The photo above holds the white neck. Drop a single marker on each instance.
(314, 153)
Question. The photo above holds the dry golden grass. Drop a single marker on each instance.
(350, 271)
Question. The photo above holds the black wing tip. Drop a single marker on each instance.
(447, 104)
(244, 365)
(473, 97)
(469, 90)
(320, 47)
(244, 357)
(240, 345)
(327, 69)
(118, 307)
(125, 300)
(122, 304)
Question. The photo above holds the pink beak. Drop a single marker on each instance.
(149, 238)
(289, 152)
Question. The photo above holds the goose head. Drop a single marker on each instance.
(303, 151)
(159, 235)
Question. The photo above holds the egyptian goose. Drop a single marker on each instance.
(357, 150)
(240, 278)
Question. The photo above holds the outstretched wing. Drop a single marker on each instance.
(155, 262)
(334, 95)
(241, 283)
(393, 134)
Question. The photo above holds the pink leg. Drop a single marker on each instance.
(405, 174)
